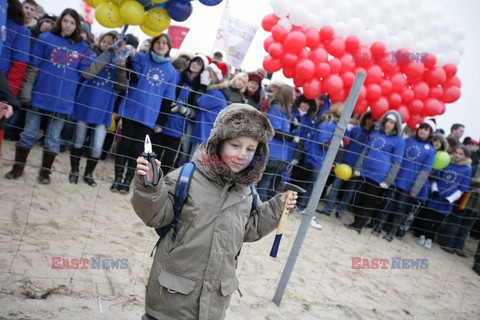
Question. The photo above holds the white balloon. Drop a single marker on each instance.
(393, 43)
(441, 59)
(367, 37)
(343, 9)
(381, 32)
(298, 14)
(432, 29)
(385, 9)
(328, 16)
(285, 22)
(371, 17)
(355, 26)
(432, 45)
(341, 28)
(406, 39)
(445, 43)
(437, 12)
(424, 14)
(453, 57)
(281, 8)
(312, 21)
(394, 24)
(460, 48)
(458, 34)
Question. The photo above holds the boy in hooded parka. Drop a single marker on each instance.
(193, 277)
(378, 164)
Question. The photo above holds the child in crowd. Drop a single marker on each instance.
(194, 277)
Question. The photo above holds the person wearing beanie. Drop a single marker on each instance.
(44, 24)
(416, 167)
(378, 165)
(194, 276)
(175, 120)
(254, 92)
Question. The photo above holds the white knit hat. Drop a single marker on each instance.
(431, 124)
(203, 58)
(217, 71)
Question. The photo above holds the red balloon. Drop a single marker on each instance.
(279, 33)
(298, 82)
(359, 69)
(379, 107)
(313, 37)
(303, 54)
(305, 69)
(326, 33)
(398, 82)
(269, 21)
(402, 56)
(435, 76)
(430, 61)
(452, 82)
(378, 50)
(333, 84)
(318, 55)
(322, 70)
(387, 63)
(363, 57)
(386, 86)
(421, 90)
(451, 94)
(352, 44)
(347, 62)
(289, 59)
(374, 92)
(360, 107)
(374, 75)
(288, 72)
(276, 50)
(336, 47)
(271, 65)
(414, 71)
(394, 99)
(335, 65)
(339, 96)
(443, 108)
(348, 77)
(431, 107)
(450, 70)
(404, 112)
(363, 93)
(267, 42)
(416, 106)
(414, 121)
(436, 92)
(295, 41)
(407, 95)
(312, 88)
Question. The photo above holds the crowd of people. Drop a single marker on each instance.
(95, 96)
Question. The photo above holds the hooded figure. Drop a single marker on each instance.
(194, 277)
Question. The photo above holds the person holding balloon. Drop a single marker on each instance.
(152, 78)
(416, 167)
(95, 102)
(58, 57)
(378, 165)
(452, 182)
(357, 138)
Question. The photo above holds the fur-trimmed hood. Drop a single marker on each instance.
(463, 163)
(398, 121)
(234, 121)
(441, 138)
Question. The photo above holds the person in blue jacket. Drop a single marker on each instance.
(214, 100)
(416, 166)
(357, 138)
(173, 122)
(94, 104)
(152, 79)
(451, 183)
(378, 164)
(279, 113)
(57, 59)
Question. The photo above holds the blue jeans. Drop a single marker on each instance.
(348, 192)
(271, 178)
(96, 139)
(33, 119)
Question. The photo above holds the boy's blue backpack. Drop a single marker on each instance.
(181, 193)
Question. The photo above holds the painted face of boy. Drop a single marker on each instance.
(238, 152)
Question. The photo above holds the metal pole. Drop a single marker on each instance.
(319, 185)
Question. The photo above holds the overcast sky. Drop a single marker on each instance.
(204, 21)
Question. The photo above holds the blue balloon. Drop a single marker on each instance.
(179, 10)
(144, 2)
(210, 2)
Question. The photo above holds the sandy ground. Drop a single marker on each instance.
(40, 222)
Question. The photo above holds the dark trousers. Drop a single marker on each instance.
(305, 177)
(167, 149)
(429, 222)
(132, 142)
(271, 178)
(366, 202)
(396, 210)
(456, 227)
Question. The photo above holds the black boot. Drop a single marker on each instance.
(120, 162)
(87, 177)
(46, 169)
(75, 156)
(21, 154)
(125, 187)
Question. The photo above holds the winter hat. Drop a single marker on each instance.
(392, 115)
(216, 70)
(241, 120)
(86, 27)
(202, 57)
(255, 77)
(47, 17)
(430, 123)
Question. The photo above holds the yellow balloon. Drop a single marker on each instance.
(132, 13)
(159, 1)
(149, 32)
(108, 15)
(157, 19)
(343, 171)
(118, 2)
(96, 3)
